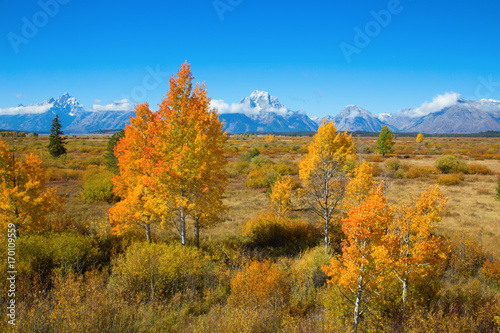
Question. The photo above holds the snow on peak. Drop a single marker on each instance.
(258, 103)
(353, 111)
(263, 100)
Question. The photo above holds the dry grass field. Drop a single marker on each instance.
(471, 207)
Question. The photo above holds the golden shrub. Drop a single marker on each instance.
(453, 179)
(259, 284)
(479, 169)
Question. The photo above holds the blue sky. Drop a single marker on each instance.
(311, 55)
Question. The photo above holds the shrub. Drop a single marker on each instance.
(269, 230)
(491, 270)
(453, 179)
(423, 171)
(149, 271)
(307, 278)
(235, 169)
(259, 284)
(95, 160)
(97, 186)
(248, 156)
(451, 164)
(478, 169)
(393, 163)
(261, 178)
(467, 256)
(39, 256)
(400, 174)
(260, 162)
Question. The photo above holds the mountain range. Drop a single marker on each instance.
(262, 112)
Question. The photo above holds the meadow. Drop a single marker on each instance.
(77, 276)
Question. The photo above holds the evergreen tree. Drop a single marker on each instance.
(109, 155)
(385, 141)
(56, 141)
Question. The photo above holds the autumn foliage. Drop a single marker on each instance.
(24, 200)
(171, 163)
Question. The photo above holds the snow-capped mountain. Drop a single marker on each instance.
(355, 118)
(72, 115)
(461, 117)
(262, 112)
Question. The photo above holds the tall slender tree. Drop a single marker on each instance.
(323, 173)
(56, 141)
(385, 141)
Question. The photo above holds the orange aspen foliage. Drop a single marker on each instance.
(172, 161)
(359, 272)
(135, 184)
(323, 173)
(24, 200)
(417, 251)
(259, 284)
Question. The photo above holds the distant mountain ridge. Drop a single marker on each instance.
(262, 112)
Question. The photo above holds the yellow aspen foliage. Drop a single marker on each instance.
(359, 186)
(259, 284)
(281, 193)
(420, 138)
(269, 138)
(417, 252)
(24, 201)
(323, 173)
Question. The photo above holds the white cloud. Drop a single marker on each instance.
(19, 95)
(438, 103)
(120, 105)
(38, 108)
(97, 101)
(222, 107)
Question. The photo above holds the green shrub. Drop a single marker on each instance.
(97, 186)
(400, 174)
(248, 156)
(393, 163)
(235, 169)
(261, 178)
(260, 162)
(150, 271)
(451, 164)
